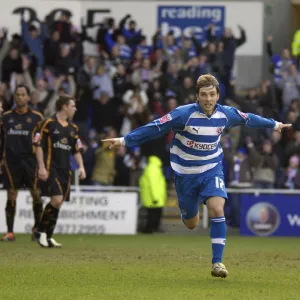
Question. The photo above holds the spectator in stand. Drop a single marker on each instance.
(101, 82)
(132, 36)
(153, 193)
(85, 95)
(137, 61)
(290, 85)
(103, 112)
(281, 63)
(104, 170)
(64, 27)
(291, 177)
(52, 49)
(265, 164)
(125, 52)
(64, 64)
(120, 82)
(144, 74)
(144, 48)
(187, 94)
(229, 45)
(12, 63)
(293, 147)
(189, 49)
(34, 39)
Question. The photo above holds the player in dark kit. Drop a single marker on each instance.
(56, 140)
(18, 127)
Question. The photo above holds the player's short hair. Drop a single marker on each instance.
(63, 100)
(19, 86)
(206, 81)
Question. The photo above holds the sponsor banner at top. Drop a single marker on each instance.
(190, 19)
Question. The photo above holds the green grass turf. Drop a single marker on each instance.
(149, 267)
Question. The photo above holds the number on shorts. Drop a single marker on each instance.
(219, 183)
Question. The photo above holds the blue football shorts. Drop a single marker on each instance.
(191, 191)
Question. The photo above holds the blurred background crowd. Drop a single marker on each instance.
(130, 83)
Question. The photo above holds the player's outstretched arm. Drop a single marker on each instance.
(151, 131)
(236, 118)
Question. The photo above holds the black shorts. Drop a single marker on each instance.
(21, 174)
(55, 187)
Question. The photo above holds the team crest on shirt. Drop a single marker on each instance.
(243, 115)
(28, 120)
(165, 119)
(219, 130)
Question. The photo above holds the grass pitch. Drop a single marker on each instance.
(149, 267)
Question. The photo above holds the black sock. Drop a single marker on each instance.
(50, 228)
(37, 207)
(48, 221)
(10, 211)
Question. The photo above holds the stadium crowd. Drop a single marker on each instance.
(131, 83)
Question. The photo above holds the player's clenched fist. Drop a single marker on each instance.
(81, 173)
(115, 143)
(43, 174)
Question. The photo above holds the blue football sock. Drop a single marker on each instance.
(218, 238)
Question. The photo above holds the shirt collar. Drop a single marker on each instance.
(201, 111)
(23, 112)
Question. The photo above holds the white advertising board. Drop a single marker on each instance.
(149, 14)
(85, 213)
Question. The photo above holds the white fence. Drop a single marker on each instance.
(91, 210)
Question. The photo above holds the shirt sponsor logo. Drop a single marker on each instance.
(165, 119)
(17, 132)
(201, 146)
(62, 146)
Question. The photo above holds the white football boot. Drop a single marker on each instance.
(53, 243)
(219, 270)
